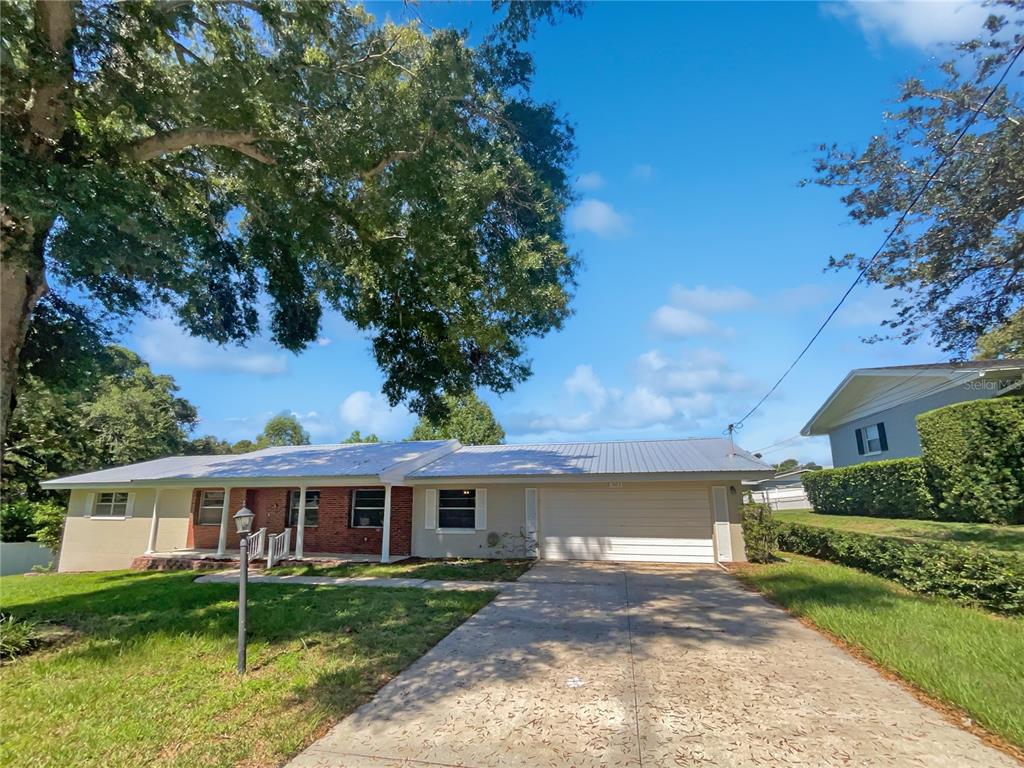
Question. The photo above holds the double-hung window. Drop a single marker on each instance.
(312, 509)
(871, 439)
(368, 508)
(456, 509)
(211, 507)
(113, 504)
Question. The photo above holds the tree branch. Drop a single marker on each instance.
(55, 25)
(168, 142)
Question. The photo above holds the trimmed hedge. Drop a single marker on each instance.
(893, 488)
(973, 458)
(973, 575)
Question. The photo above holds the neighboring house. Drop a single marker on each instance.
(783, 491)
(872, 414)
(660, 501)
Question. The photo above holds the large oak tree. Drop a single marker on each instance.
(956, 268)
(226, 159)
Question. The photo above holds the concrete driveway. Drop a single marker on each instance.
(623, 665)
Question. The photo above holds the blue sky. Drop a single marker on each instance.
(702, 259)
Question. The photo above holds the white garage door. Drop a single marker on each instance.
(646, 525)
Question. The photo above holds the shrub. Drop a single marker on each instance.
(974, 575)
(17, 520)
(973, 457)
(893, 488)
(760, 532)
(49, 520)
(17, 636)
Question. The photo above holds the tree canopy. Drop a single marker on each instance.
(120, 413)
(1005, 341)
(359, 437)
(283, 429)
(469, 420)
(957, 265)
(215, 157)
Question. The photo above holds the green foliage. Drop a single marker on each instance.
(469, 420)
(1007, 340)
(243, 446)
(358, 437)
(973, 456)
(203, 158)
(17, 520)
(119, 412)
(49, 521)
(974, 575)
(786, 465)
(17, 636)
(955, 267)
(207, 445)
(760, 532)
(283, 429)
(892, 488)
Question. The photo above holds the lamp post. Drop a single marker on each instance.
(243, 524)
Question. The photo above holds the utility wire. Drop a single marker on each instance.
(895, 228)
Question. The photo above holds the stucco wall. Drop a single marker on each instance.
(900, 426)
(506, 514)
(96, 544)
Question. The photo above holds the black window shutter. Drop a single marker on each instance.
(860, 442)
(881, 436)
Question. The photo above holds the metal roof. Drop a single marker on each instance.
(345, 460)
(613, 458)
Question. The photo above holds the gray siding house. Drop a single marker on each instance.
(872, 414)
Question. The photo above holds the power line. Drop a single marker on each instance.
(895, 228)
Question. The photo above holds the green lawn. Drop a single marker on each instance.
(1004, 538)
(149, 677)
(415, 568)
(964, 656)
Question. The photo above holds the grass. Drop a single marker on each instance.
(148, 675)
(416, 568)
(1002, 538)
(963, 656)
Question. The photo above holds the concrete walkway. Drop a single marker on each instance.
(357, 581)
(605, 665)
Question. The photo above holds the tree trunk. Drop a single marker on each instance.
(22, 284)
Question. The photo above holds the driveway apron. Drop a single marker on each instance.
(634, 665)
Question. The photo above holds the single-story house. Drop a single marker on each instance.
(872, 414)
(673, 501)
(782, 491)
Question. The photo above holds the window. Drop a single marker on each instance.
(368, 508)
(111, 505)
(211, 505)
(312, 509)
(871, 439)
(456, 509)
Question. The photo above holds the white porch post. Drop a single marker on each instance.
(300, 529)
(154, 523)
(225, 514)
(385, 538)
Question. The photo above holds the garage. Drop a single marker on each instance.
(639, 524)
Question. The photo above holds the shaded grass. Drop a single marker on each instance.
(415, 568)
(963, 656)
(149, 677)
(1002, 538)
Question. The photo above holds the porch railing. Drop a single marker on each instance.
(257, 543)
(278, 545)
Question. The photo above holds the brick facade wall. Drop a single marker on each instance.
(334, 532)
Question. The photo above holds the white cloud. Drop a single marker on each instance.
(590, 181)
(712, 300)
(162, 343)
(642, 171)
(318, 425)
(371, 413)
(868, 310)
(678, 321)
(667, 394)
(917, 23)
(323, 341)
(598, 217)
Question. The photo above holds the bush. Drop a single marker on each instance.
(974, 575)
(760, 532)
(973, 458)
(17, 636)
(17, 520)
(49, 518)
(893, 488)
